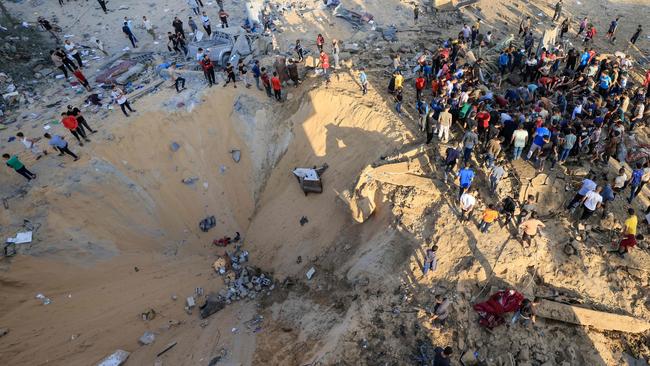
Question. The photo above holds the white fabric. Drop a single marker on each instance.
(593, 198)
(306, 173)
(467, 201)
(619, 181)
(120, 97)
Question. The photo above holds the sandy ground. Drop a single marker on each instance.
(123, 206)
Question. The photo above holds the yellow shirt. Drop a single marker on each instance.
(490, 215)
(399, 80)
(630, 225)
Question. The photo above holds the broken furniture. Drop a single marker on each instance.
(310, 178)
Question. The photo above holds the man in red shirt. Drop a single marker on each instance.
(70, 122)
(277, 86)
(267, 82)
(420, 83)
(208, 70)
(483, 122)
(629, 241)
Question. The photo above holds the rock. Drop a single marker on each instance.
(213, 304)
(4, 332)
(147, 338)
(117, 358)
(524, 355)
(310, 273)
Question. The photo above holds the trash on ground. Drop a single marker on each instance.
(311, 273)
(23, 237)
(208, 223)
(167, 348)
(116, 358)
(310, 178)
(147, 338)
(236, 155)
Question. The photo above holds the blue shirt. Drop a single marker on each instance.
(428, 69)
(540, 134)
(256, 71)
(584, 58)
(607, 193)
(588, 185)
(636, 177)
(503, 59)
(58, 141)
(363, 78)
(605, 80)
(466, 175)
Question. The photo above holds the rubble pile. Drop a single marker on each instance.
(242, 281)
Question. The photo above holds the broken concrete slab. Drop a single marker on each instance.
(147, 338)
(116, 358)
(587, 317)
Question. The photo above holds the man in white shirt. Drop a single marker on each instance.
(206, 24)
(467, 203)
(591, 202)
(620, 180)
(120, 97)
(148, 27)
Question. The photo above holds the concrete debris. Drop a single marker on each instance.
(311, 273)
(236, 155)
(148, 314)
(389, 33)
(117, 358)
(355, 18)
(587, 317)
(190, 302)
(4, 332)
(147, 338)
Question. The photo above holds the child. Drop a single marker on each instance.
(17, 165)
(489, 216)
(398, 100)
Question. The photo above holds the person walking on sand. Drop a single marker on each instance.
(444, 124)
(558, 11)
(208, 70)
(467, 203)
(582, 27)
(72, 125)
(17, 165)
(277, 86)
(230, 75)
(266, 81)
(430, 260)
(102, 3)
(194, 6)
(127, 31)
(320, 41)
(416, 13)
(398, 100)
(31, 145)
(205, 20)
(59, 143)
(223, 16)
(76, 112)
(72, 51)
(148, 27)
(81, 78)
(465, 178)
(120, 97)
(591, 202)
(193, 27)
(256, 73)
(363, 80)
(299, 50)
(100, 46)
(613, 26)
(177, 24)
(243, 73)
(58, 63)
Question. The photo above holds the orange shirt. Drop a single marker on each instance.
(490, 215)
(275, 81)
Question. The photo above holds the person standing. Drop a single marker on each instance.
(208, 70)
(558, 10)
(223, 16)
(292, 69)
(127, 31)
(320, 41)
(416, 13)
(583, 26)
(277, 86)
(76, 113)
(335, 53)
(148, 27)
(467, 203)
(72, 51)
(420, 83)
(636, 34)
(495, 176)
(569, 141)
(299, 50)
(635, 182)
(325, 65)
(451, 158)
(266, 81)
(194, 6)
(444, 124)
(17, 165)
(230, 75)
(564, 27)
(430, 260)
(256, 73)
(120, 97)
(72, 125)
(59, 143)
(193, 27)
(178, 26)
(363, 80)
(465, 178)
(613, 26)
(58, 62)
(102, 3)
(470, 140)
(205, 20)
(398, 100)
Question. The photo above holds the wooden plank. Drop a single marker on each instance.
(587, 317)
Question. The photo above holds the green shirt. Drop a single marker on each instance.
(464, 110)
(15, 163)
